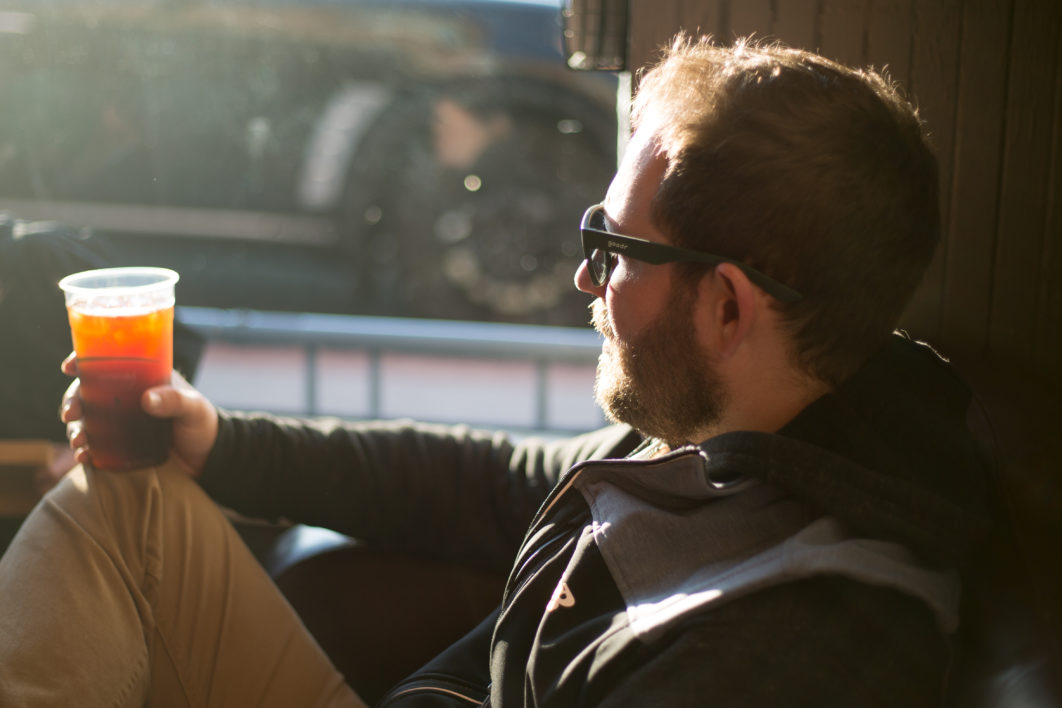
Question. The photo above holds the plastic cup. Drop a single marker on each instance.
(121, 323)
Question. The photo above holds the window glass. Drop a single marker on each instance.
(426, 159)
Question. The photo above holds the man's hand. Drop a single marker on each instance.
(195, 419)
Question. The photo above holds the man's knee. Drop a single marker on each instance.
(127, 513)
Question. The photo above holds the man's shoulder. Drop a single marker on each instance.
(609, 442)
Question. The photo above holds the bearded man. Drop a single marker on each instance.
(780, 516)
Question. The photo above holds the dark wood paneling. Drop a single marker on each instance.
(935, 42)
(655, 22)
(842, 30)
(889, 35)
(1019, 273)
(750, 18)
(1048, 344)
(796, 23)
(648, 31)
(972, 227)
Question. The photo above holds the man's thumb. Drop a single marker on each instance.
(164, 402)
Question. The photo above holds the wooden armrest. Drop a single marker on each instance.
(19, 459)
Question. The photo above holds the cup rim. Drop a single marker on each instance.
(71, 284)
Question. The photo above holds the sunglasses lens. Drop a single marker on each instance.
(597, 219)
(599, 264)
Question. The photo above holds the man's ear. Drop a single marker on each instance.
(733, 307)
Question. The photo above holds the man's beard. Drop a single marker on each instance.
(659, 383)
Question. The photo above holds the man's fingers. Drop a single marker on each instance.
(70, 405)
(75, 434)
(69, 365)
(82, 456)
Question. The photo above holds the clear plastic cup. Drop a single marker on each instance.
(121, 323)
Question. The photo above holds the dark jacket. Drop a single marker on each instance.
(815, 566)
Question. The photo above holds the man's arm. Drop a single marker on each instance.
(444, 490)
(439, 489)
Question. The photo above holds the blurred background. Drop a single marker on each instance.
(416, 158)
(353, 161)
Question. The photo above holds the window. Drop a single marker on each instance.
(426, 159)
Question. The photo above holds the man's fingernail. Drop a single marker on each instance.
(154, 399)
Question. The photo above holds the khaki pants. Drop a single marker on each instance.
(131, 588)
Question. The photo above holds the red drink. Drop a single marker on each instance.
(124, 344)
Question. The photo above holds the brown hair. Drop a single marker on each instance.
(817, 174)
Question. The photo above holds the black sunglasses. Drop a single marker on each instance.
(599, 245)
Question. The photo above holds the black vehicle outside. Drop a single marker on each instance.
(425, 159)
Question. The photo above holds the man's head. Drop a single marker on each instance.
(815, 173)
(781, 162)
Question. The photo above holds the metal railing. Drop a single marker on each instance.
(378, 337)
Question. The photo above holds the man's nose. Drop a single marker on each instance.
(584, 283)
